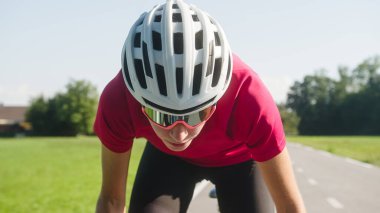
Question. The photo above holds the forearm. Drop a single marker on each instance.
(292, 206)
(279, 178)
(115, 172)
(108, 205)
(290, 201)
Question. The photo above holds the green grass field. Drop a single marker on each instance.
(362, 148)
(53, 174)
(64, 174)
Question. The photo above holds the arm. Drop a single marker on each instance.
(115, 172)
(279, 178)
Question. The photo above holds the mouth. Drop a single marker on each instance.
(178, 145)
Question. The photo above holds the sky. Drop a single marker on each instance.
(44, 44)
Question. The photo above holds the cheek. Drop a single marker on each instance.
(159, 132)
(195, 132)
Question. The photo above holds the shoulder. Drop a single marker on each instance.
(116, 99)
(239, 64)
(252, 100)
(114, 90)
(255, 118)
(113, 122)
(247, 97)
(246, 82)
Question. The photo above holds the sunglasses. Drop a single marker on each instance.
(168, 121)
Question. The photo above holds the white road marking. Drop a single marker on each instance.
(299, 170)
(199, 187)
(312, 181)
(307, 148)
(358, 163)
(324, 153)
(296, 145)
(334, 203)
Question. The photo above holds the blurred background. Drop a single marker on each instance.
(318, 52)
(319, 59)
(45, 43)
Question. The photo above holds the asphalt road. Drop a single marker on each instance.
(328, 184)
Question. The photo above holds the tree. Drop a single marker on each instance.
(348, 105)
(311, 100)
(289, 119)
(37, 115)
(77, 107)
(360, 111)
(68, 113)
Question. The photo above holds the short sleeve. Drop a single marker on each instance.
(113, 123)
(256, 120)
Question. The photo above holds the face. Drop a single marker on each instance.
(177, 138)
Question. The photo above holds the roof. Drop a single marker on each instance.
(12, 114)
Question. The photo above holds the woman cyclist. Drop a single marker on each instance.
(205, 114)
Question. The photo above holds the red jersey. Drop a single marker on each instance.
(246, 124)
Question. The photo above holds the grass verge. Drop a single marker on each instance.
(54, 174)
(362, 148)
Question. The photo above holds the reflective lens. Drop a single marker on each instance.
(168, 121)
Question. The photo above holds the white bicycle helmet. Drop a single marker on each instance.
(176, 59)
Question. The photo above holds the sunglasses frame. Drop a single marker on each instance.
(213, 108)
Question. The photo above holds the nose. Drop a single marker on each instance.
(179, 132)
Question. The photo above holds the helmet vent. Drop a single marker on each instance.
(212, 22)
(126, 72)
(157, 45)
(197, 79)
(177, 17)
(178, 43)
(217, 39)
(137, 40)
(179, 79)
(146, 61)
(140, 21)
(175, 6)
(228, 71)
(217, 69)
(140, 72)
(157, 18)
(195, 18)
(161, 79)
(210, 63)
(199, 40)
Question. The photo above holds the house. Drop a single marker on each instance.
(12, 120)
